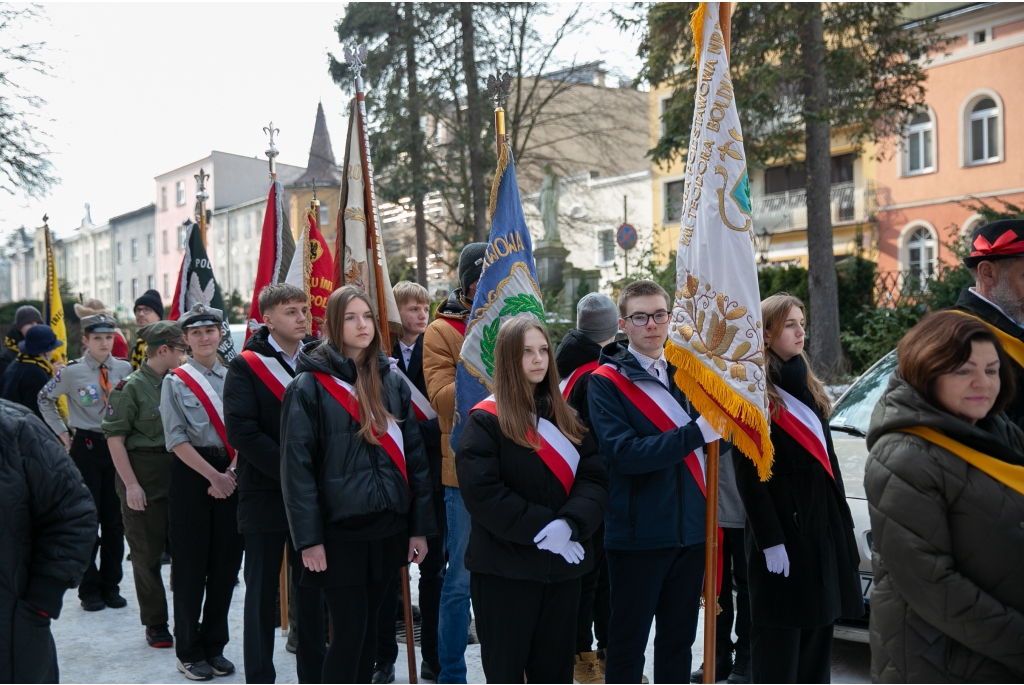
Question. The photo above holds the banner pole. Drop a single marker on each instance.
(711, 564)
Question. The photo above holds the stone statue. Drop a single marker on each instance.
(547, 203)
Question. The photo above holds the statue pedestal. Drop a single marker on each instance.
(550, 257)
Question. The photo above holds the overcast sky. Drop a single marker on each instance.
(139, 89)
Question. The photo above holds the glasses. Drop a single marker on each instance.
(640, 319)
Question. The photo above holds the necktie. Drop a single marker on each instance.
(104, 384)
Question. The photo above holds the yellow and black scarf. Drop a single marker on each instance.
(1010, 475)
(138, 353)
(36, 360)
(11, 344)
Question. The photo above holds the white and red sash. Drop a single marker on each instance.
(556, 451)
(803, 425)
(420, 404)
(209, 398)
(270, 371)
(392, 441)
(567, 384)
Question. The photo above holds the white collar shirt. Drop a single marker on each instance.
(407, 351)
(290, 360)
(656, 367)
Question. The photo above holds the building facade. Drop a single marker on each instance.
(86, 257)
(962, 148)
(135, 258)
(234, 244)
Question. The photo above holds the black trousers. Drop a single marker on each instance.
(790, 655)
(353, 610)
(662, 584)
(525, 627)
(431, 581)
(206, 553)
(595, 608)
(91, 456)
(734, 569)
(263, 553)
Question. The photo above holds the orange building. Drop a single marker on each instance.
(964, 145)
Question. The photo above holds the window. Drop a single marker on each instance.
(233, 228)
(325, 216)
(248, 225)
(149, 245)
(180, 188)
(259, 224)
(921, 254)
(979, 36)
(167, 285)
(150, 281)
(181, 237)
(163, 197)
(673, 201)
(918, 148)
(605, 246)
(135, 289)
(249, 277)
(119, 255)
(983, 133)
(120, 291)
(166, 248)
(135, 249)
(780, 179)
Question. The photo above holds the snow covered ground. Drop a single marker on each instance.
(109, 647)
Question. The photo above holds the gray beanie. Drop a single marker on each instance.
(27, 314)
(597, 317)
(471, 264)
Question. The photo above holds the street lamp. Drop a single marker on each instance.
(764, 243)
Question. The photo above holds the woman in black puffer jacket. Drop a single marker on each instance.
(531, 528)
(358, 509)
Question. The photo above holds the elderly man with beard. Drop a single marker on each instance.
(996, 261)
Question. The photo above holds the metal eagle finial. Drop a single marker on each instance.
(355, 57)
(201, 178)
(272, 150)
(498, 86)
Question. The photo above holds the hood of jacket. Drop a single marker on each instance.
(455, 307)
(901, 406)
(320, 355)
(575, 350)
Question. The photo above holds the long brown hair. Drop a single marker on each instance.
(514, 394)
(373, 416)
(774, 312)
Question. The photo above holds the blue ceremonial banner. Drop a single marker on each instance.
(507, 287)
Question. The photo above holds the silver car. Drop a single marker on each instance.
(849, 424)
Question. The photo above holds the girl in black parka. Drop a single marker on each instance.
(530, 538)
(802, 554)
(352, 512)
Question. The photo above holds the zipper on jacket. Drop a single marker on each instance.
(634, 495)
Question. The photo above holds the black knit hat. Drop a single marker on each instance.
(471, 264)
(997, 240)
(151, 299)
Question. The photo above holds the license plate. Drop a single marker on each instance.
(867, 581)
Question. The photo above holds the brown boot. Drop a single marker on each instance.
(586, 669)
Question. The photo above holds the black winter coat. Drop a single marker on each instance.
(47, 536)
(574, 351)
(429, 429)
(802, 507)
(947, 548)
(511, 495)
(329, 473)
(252, 418)
(21, 383)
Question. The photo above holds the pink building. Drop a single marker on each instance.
(968, 143)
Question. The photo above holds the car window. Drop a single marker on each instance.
(853, 410)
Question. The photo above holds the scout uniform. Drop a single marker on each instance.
(206, 548)
(135, 414)
(87, 384)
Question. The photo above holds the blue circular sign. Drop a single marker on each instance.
(626, 237)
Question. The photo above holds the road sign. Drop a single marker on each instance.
(626, 237)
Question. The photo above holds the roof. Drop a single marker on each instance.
(321, 166)
(142, 211)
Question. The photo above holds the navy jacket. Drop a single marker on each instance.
(655, 503)
(429, 429)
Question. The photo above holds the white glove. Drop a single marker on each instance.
(777, 560)
(709, 433)
(573, 552)
(554, 537)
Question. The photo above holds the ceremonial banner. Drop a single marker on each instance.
(312, 271)
(53, 315)
(354, 248)
(276, 249)
(507, 287)
(196, 283)
(716, 335)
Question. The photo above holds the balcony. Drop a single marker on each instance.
(781, 212)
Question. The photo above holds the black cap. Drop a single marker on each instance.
(39, 339)
(997, 240)
(151, 299)
(471, 264)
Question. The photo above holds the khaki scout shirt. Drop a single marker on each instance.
(80, 382)
(134, 411)
(184, 417)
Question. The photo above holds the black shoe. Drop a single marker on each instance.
(199, 670)
(383, 673)
(429, 671)
(417, 617)
(723, 669)
(93, 602)
(293, 641)
(113, 599)
(157, 636)
(741, 667)
(220, 666)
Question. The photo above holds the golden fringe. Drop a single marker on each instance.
(697, 26)
(718, 607)
(710, 395)
(498, 173)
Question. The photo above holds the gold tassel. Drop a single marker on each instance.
(718, 404)
(697, 26)
(499, 172)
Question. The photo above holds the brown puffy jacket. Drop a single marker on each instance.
(442, 344)
(947, 548)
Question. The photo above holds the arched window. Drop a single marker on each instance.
(918, 149)
(920, 251)
(983, 132)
